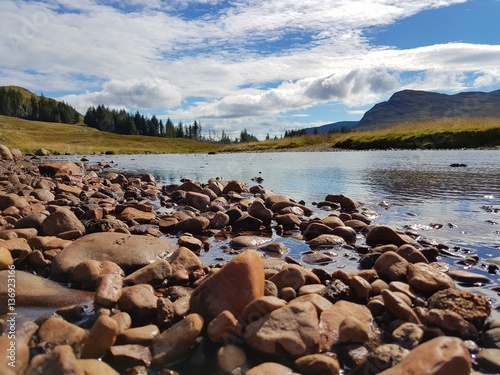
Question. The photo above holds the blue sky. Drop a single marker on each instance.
(267, 66)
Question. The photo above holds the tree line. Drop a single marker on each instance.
(14, 104)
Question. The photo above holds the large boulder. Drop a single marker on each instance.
(130, 252)
(62, 220)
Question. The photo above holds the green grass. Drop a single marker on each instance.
(28, 136)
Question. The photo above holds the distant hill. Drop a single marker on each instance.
(420, 106)
(19, 102)
(333, 127)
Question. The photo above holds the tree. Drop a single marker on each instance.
(247, 137)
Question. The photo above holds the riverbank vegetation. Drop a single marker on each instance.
(28, 136)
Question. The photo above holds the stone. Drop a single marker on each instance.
(288, 221)
(193, 225)
(19, 352)
(235, 186)
(5, 153)
(88, 272)
(247, 223)
(291, 331)
(130, 252)
(219, 220)
(314, 364)
(278, 248)
(260, 307)
(134, 214)
(235, 285)
(491, 338)
(411, 254)
(140, 302)
(35, 291)
(101, 337)
(153, 274)
(242, 242)
(123, 357)
(108, 289)
(467, 277)
(391, 266)
(143, 335)
(408, 335)
(60, 221)
(427, 279)
(94, 366)
(439, 356)
(352, 330)
(13, 200)
(5, 259)
(192, 243)
(321, 303)
(60, 360)
(60, 169)
(184, 259)
(398, 307)
(123, 319)
(489, 360)
(57, 331)
(224, 328)
(384, 235)
(231, 359)
(197, 200)
(359, 288)
(451, 323)
(270, 368)
(324, 241)
(384, 357)
(70, 189)
(174, 343)
(258, 209)
(331, 318)
(347, 233)
(288, 277)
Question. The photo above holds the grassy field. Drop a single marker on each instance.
(28, 136)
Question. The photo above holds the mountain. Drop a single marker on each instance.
(333, 127)
(419, 106)
(19, 102)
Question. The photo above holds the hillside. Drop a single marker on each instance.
(409, 106)
(333, 127)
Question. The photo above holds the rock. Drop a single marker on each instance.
(491, 338)
(468, 277)
(153, 274)
(130, 252)
(174, 343)
(319, 302)
(192, 243)
(359, 288)
(288, 221)
(289, 277)
(331, 318)
(140, 335)
(247, 223)
(451, 323)
(408, 335)
(70, 189)
(35, 291)
(123, 319)
(88, 272)
(398, 307)
(390, 266)
(184, 259)
(489, 360)
(42, 152)
(333, 222)
(242, 242)
(260, 307)
(134, 214)
(12, 200)
(274, 248)
(101, 337)
(314, 364)
(335, 291)
(427, 279)
(61, 360)
(19, 352)
(315, 229)
(233, 287)
(235, 186)
(224, 328)
(60, 169)
(62, 220)
(384, 235)
(56, 331)
(290, 331)
(270, 368)
(231, 359)
(219, 220)
(5, 153)
(108, 290)
(140, 302)
(258, 209)
(347, 233)
(326, 241)
(193, 225)
(5, 259)
(439, 356)
(385, 357)
(197, 200)
(95, 366)
(123, 357)
(411, 254)
(352, 330)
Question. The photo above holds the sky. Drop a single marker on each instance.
(266, 66)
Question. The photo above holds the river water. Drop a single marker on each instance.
(408, 189)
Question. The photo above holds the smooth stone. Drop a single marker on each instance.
(12, 200)
(235, 285)
(288, 221)
(384, 235)
(290, 331)
(231, 359)
(143, 335)
(274, 248)
(359, 287)
(197, 200)
(123, 357)
(123, 319)
(174, 343)
(192, 243)
(247, 223)
(57, 331)
(408, 335)
(184, 259)
(260, 307)
(288, 277)
(315, 364)
(153, 274)
(321, 303)
(219, 220)
(468, 277)
(130, 252)
(94, 366)
(140, 302)
(193, 225)
(223, 328)
(88, 272)
(491, 338)
(62, 220)
(60, 360)
(142, 217)
(411, 254)
(5, 259)
(451, 323)
(108, 290)
(428, 279)
(258, 209)
(21, 355)
(391, 266)
(60, 169)
(398, 307)
(35, 291)
(352, 330)
(331, 318)
(326, 241)
(489, 360)
(5, 153)
(333, 222)
(311, 289)
(474, 308)
(384, 357)
(270, 368)
(440, 356)
(101, 337)
(347, 233)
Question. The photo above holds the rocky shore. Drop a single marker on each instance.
(117, 258)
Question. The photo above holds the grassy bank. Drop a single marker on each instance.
(29, 136)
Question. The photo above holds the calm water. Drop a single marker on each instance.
(406, 188)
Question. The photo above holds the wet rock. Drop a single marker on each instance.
(108, 289)
(184, 259)
(489, 360)
(288, 277)
(192, 243)
(451, 323)
(384, 235)
(62, 220)
(314, 364)
(270, 368)
(19, 352)
(241, 242)
(140, 335)
(224, 328)
(219, 220)
(333, 222)
(123, 319)
(231, 359)
(398, 307)
(352, 330)
(134, 214)
(237, 284)
(5, 259)
(335, 291)
(468, 277)
(197, 200)
(56, 331)
(331, 318)
(100, 338)
(427, 279)
(130, 252)
(411, 254)
(359, 288)
(194, 225)
(174, 343)
(274, 248)
(408, 335)
(289, 331)
(347, 233)
(87, 273)
(491, 338)
(60, 169)
(61, 360)
(35, 291)
(390, 266)
(153, 274)
(385, 357)
(95, 366)
(123, 357)
(319, 302)
(316, 229)
(260, 307)
(442, 355)
(247, 223)
(326, 241)
(139, 301)
(288, 221)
